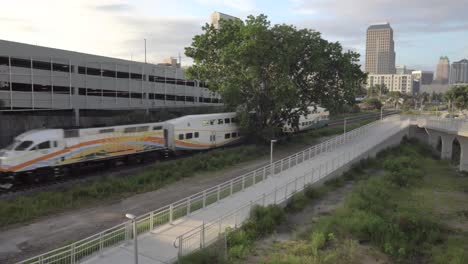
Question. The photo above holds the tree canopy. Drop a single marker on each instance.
(274, 71)
(458, 95)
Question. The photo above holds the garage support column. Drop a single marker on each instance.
(447, 143)
(76, 111)
(464, 153)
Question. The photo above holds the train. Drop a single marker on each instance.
(41, 154)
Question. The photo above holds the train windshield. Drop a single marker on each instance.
(24, 145)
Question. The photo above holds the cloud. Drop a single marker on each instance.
(241, 5)
(114, 7)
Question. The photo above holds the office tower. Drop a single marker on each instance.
(216, 17)
(380, 49)
(443, 70)
(459, 72)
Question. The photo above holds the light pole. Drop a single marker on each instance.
(273, 141)
(135, 240)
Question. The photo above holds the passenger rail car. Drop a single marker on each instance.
(46, 153)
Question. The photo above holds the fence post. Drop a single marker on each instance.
(243, 182)
(151, 220)
(286, 191)
(72, 255)
(204, 199)
(202, 236)
(189, 205)
(264, 173)
(231, 187)
(181, 240)
(254, 176)
(101, 243)
(295, 185)
(171, 211)
(276, 190)
(218, 193)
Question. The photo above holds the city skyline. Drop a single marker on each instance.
(424, 30)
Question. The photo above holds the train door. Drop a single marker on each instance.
(213, 138)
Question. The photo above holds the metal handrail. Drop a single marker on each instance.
(166, 212)
(218, 220)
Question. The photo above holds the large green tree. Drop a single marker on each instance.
(458, 96)
(274, 71)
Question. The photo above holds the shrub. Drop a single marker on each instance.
(297, 202)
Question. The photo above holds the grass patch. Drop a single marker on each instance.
(27, 208)
(414, 212)
(262, 221)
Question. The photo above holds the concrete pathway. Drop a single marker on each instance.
(157, 246)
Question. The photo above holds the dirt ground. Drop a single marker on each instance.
(301, 222)
(27, 240)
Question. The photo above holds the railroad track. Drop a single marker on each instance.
(90, 175)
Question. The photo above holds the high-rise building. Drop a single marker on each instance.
(423, 77)
(402, 83)
(216, 17)
(400, 69)
(459, 72)
(443, 70)
(380, 49)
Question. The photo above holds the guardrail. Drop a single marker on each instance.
(447, 124)
(207, 233)
(122, 233)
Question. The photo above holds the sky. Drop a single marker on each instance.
(424, 30)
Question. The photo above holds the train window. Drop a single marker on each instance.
(130, 129)
(157, 128)
(181, 136)
(142, 128)
(234, 120)
(24, 145)
(71, 133)
(189, 135)
(205, 123)
(195, 135)
(234, 134)
(43, 145)
(228, 135)
(55, 144)
(220, 121)
(107, 130)
(227, 120)
(212, 122)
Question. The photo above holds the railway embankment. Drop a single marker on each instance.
(43, 221)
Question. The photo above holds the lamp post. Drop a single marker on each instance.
(135, 240)
(273, 141)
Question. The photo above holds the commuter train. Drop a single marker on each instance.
(43, 153)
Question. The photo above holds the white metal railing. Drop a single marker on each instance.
(446, 124)
(207, 233)
(121, 233)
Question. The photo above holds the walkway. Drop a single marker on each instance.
(203, 226)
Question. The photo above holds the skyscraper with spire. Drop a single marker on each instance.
(380, 49)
